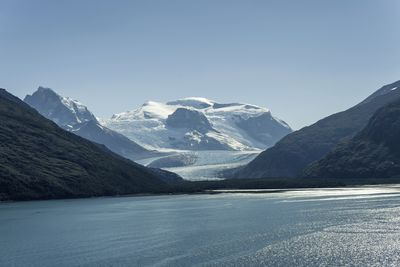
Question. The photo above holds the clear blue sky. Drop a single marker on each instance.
(303, 59)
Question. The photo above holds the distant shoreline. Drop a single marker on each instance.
(387, 182)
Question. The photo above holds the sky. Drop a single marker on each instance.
(304, 59)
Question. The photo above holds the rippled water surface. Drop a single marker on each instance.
(331, 227)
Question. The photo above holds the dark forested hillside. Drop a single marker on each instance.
(39, 160)
(290, 156)
(373, 153)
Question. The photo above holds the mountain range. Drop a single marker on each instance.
(291, 155)
(73, 116)
(40, 160)
(171, 135)
(197, 123)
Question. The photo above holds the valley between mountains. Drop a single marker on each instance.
(195, 137)
(53, 146)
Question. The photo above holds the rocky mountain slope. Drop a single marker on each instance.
(39, 160)
(73, 116)
(290, 156)
(373, 153)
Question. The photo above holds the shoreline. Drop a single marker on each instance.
(214, 192)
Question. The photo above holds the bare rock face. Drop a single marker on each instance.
(189, 119)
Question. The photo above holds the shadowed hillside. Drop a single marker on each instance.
(296, 151)
(39, 160)
(373, 153)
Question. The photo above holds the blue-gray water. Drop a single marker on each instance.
(334, 227)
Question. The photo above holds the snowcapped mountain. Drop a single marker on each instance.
(73, 116)
(197, 123)
(62, 110)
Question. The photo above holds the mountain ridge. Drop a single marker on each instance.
(39, 160)
(297, 150)
(148, 125)
(372, 153)
(75, 117)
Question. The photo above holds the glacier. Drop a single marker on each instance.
(200, 138)
(234, 126)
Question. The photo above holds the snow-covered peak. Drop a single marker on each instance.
(149, 110)
(245, 111)
(77, 108)
(62, 110)
(158, 110)
(194, 102)
(73, 116)
(234, 126)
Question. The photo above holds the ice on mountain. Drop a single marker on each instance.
(165, 125)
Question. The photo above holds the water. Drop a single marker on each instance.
(353, 227)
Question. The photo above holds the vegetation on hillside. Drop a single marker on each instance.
(373, 153)
(290, 156)
(39, 160)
